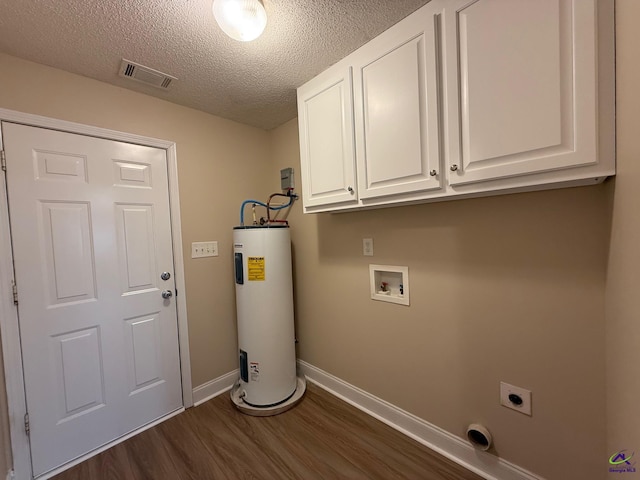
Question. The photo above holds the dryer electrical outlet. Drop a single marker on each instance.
(515, 398)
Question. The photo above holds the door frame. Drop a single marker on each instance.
(9, 328)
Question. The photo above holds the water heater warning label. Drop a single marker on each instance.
(254, 371)
(255, 269)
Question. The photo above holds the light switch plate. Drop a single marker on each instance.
(204, 249)
(367, 247)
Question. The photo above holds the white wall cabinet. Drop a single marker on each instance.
(325, 112)
(523, 78)
(464, 98)
(397, 126)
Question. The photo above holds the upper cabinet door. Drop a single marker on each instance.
(397, 114)
(521, 87)
(327, 150)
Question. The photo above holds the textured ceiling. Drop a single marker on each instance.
(253, 83)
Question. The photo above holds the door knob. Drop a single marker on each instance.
(167, 294)
(165, 276)
(453, 168)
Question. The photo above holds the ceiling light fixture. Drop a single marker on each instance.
(242, 20)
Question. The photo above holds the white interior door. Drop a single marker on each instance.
(91, 237)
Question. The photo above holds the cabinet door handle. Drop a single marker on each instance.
(453, 168)
(350, 189)
(433, 173)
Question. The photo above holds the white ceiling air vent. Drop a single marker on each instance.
(143, 74)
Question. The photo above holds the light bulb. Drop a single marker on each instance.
(242, 20)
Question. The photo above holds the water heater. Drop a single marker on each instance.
(264, 301)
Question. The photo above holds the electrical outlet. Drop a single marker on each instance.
(204, 249)
(367, 247)
(515, 398)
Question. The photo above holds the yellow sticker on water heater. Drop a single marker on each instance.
(255, 269)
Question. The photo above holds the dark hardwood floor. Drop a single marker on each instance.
(321, 438)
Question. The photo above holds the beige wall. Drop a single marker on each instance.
(220, 163)
(623, 281)
(505, 288)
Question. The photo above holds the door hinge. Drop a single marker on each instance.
(27, 427)
(15, 292)
(3, 161)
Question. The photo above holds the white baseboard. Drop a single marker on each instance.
(10, 475)
(454, 448)
(215, 387)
